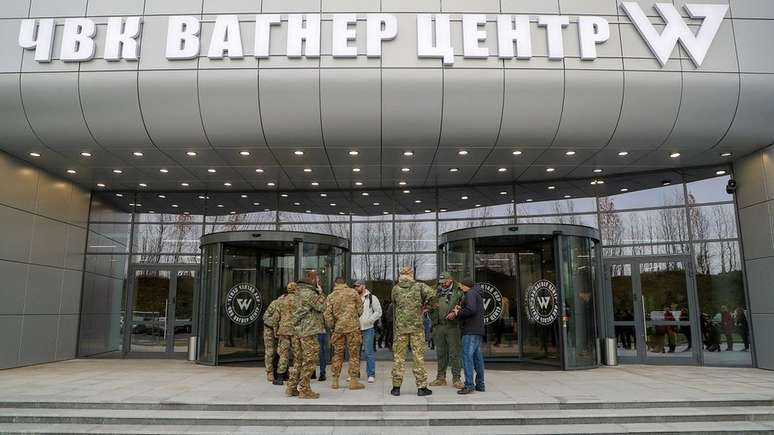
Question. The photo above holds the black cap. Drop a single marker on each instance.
(467, 282)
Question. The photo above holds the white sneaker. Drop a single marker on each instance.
(371, 379)
(349, 379)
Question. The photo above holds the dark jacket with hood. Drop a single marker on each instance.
(472, 312)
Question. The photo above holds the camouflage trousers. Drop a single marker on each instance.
(353, 342)
(400, 346)
(283, 350)
(269, 346)
(306, 354)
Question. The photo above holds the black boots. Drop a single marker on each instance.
(424, 392)
(465, 390)
(395, 391)
(322, 377)
(279, 380)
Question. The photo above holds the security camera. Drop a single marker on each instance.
(731, 187)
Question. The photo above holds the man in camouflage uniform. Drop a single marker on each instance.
(447, 334)
(343, 309)
(270, 323)
(409, 298)
(284, 331)
(307, 324)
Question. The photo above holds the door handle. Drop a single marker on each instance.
(644, 318)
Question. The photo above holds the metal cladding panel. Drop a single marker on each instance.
(585, 7)
(752, 9)
(10, 52)
(592, 103)
(472, 107)
(98, 8)
(15, 9)
(280, 6)
(534, 6)
(750, 35)
(13, 123)
(58, 8)
(350, 106)
(650, 104)
(110, 96)
(752, 124)
(351, 5)
(170, 107)
(173, 7)
(231, 6)
(229, 105)
(471, 6)
(53, 108)
(290, 107)
(411, 107)
(533, 105)
(410, 6)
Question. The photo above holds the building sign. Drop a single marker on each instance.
(514, 35)
(542, 302)
(243, 304)
(493, 302)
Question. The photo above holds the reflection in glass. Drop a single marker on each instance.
(664, 294)
(623, 309)
(578, 289)
(150, 307)
(184, 294)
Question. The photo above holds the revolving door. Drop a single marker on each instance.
(242, 272)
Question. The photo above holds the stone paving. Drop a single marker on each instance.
(163, 381)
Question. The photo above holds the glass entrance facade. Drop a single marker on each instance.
(243, 271)
(539, 284)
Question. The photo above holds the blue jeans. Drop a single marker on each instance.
(325, 350)
(472, 358)
(368, 345)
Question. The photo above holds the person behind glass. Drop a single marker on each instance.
(324, 340)
(742, 327)
(387, 325)
(470, 312)
(372, 311)
(727, 323)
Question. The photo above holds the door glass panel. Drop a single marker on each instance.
(239, 337)
(623, 309)
(498, 271)
(209, 306)
(186, 280)
(665, 305)
(149, 315)
(536, 263)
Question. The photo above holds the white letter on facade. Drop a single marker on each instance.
(507, 33)
(592, 31)
(77, 40)
(554, 25)
(183, 37)
(226, 38)
(675, 30)
(442, 47)
(472, 35)
(121, 38)
(300, 35)
(376, 34)
(263, 25)
(39, 36)
(342, 35)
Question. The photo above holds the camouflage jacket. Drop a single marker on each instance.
(286, 307)
(445, 300)
(408, 299)
(343, 309)
(308, 312)
(271, 315)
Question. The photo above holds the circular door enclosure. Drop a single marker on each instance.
(243, 271)
(539, 283)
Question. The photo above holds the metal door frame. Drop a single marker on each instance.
(173, 269)
(639, 321)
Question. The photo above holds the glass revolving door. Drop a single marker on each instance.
(243, 271)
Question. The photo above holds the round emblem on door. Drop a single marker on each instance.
(243, 304)
(542, 300)
(493, 302)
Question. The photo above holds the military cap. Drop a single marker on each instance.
(406, 270)
(445, 275)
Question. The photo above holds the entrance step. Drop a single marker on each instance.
(130, 418)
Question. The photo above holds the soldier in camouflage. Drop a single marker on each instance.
(409, 298)
(270, 323)
(307, 324)
(343, 309)
(447, 334)
(284, 331)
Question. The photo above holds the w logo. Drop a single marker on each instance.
(244, 304)
(543, 301)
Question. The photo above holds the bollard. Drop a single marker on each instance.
(192, 348)
(611, 352)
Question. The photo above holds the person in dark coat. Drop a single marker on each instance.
(470, 313)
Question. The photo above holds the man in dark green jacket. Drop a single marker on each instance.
(447, 333)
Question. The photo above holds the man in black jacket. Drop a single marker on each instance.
(470, 312)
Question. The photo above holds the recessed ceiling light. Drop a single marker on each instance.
(212, 170)
(256, 203)
(529, 199)
(244, 153)
(417, 201)
(364, 193)
(406, 191)
(721, 172)
(314, 183)
(402, 183)
(220, 205)
(333, 204)
(443, 210)
(117, 171)
(243, 196)
(517, 153)
(323, 195)
(358, 183)
(284, 195)
(34, 154)
(454, 169)
(138, 154)
(86, 154)
(600, 181)
(478, 205)
(623, 153)
(503, 193)
(353, 153)
(597, 171)
(200, 196)
(307, 211)
(186, 212)
(567, 196)
(408, 153)
(271, 184)
(71, 171)
(341, 212)
(502, 169)
(551, 187)
(405, 169)
(100, 184)
(355, 169)
(307, 170)
(227, 184)
(674, 155)
(550, 169)
(464, 197)
(666, 183)
(726, 154)
(569, 153)
(162, 196)
(151, 211)
(427, 210)
(259, 170)
(174, 205)
(298, 153)
(385, 212)
(296, 203)
(462, 152)
(232, 212)
(593, 182)
(377, 204)
(143, 185)
(119, 195)
(184, 184)
(163, 171)
(191, 153)
(623, 189)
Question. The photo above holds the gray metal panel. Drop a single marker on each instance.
(232, 6)
(71, 292)
(290, 107)
(10, 52)
(44, 290)
(414, 125)
(706, 111)
(401, 52)
(58, 8)
(295, 6)
(53, 197)
(410, 6)
(9, 341)
(471, 6)
(752, 219)
(115, 7)
(749, 36)
(350, 104)
(67, 338)
(592, 103)
(752, 9)
(49, 242)
(530, 6)
(38, 339)
(750, 174)
(76, 245)
(15, 9)
(351, 5)
(721, 56)
(752, 124)
(12, 287)
(153, 46)
(17, 234)
(533, 105)
(764, 350)
(229, 104)
(588, 7)
(18, 184)
(173, 7)
(650, 104)
(760, 275)
(13, 122)
(472, 106)
(170, 107)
